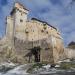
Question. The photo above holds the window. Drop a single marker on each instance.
(47, 32)
(45, 26)
(21, 20)
(26, 31)
(42, 31)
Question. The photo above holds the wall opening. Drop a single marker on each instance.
(36, 52)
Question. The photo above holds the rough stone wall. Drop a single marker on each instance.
(69, 53)
(10, 30)
(33, 33)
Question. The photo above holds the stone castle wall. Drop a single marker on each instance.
(24, 35)
(69, 53)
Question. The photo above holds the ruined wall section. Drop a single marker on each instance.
(10, 30)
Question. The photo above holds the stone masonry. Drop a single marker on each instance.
(35, 40)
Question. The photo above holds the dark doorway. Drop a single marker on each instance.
(36, 52)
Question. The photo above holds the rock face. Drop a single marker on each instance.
(33, 40)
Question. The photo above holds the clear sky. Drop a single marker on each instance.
(59, 13)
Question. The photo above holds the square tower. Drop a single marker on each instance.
(19, 14)
(16, 22)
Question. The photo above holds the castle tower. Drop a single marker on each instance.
(19, 14)
(16, 22)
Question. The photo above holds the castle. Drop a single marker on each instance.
(35, 40)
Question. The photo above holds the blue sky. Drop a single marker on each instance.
(59, 13)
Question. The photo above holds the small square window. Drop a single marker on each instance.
(47, 32)
(42, 31)
(21, 20)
